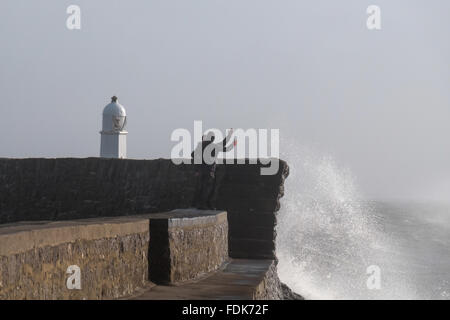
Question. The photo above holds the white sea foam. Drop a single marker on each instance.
(328, 235)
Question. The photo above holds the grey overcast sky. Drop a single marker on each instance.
(377, 101)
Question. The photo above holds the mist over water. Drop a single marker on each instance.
(328, 235)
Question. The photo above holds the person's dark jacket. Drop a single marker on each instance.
(219, 147)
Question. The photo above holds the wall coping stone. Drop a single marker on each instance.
(24, 236)
(181, 218)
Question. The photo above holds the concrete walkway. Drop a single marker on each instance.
(237, 281)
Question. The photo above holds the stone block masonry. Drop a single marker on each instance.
(111, 255)
(172, 249)
(252, 202)
(186, 245)
(116, 256)
(67, 188)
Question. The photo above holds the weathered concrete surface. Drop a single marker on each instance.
(111, 254)
(240, 280)
(186, 244)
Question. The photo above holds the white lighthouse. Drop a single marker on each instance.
(114, 137)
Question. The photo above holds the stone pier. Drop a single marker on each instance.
(129, 227)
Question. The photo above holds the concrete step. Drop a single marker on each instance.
(186, 244)
(240, 279)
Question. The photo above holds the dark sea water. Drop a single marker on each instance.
(330, 239)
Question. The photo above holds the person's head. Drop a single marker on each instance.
(209, 137)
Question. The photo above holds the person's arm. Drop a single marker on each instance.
(225, 142)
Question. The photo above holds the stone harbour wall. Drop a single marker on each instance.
(111, 256)
(252, 201)
(116, 256)
(68, 188)
(185, 246)
(170, 250)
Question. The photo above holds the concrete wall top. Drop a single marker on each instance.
(21, 237)
(181, 218)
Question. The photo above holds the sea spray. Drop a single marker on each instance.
(328, 236)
